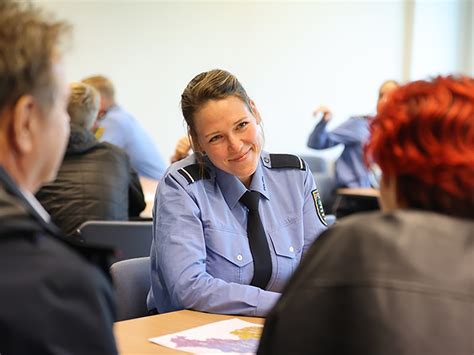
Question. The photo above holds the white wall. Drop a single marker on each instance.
(437, 46)
(466, 28)
(290, 56)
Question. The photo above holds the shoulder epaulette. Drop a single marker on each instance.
(194, 172)
(279, 161)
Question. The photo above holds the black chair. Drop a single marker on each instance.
(128, 239)
(349, 201)
(131, 279)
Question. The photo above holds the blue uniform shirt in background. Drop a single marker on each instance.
(200, 255)
(120, 128)
(354, 133)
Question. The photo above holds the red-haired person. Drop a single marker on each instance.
(399, 281)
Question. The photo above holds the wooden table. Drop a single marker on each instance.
(132, 335)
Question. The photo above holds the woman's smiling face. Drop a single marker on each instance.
(229, 133)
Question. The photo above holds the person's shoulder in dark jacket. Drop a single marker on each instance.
(95, 182)
(52, 301)
(136, 197)
(378, 283)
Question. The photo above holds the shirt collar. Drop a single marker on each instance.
(34, 203)
(258, 181)
(233, 189)
(113, 107)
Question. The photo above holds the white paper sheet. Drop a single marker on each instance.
(232, 336)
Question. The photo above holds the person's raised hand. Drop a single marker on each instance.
(324, 111)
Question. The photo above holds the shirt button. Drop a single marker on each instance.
(292, 250)
(239, 257)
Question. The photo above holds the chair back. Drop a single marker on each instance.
(131, 279)
(128, 239)
(327, 189)
(316, 164)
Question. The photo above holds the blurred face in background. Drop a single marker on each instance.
(384, 90)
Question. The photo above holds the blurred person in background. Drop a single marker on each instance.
(120, 128)
(350, 170)
(353, 134)
(95, 180)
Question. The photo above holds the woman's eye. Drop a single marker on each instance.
(213, 139)
(242, 124)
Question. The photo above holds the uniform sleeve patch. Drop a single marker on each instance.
(319, 206)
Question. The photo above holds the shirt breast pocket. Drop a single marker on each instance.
(228, 256)
(288, 242)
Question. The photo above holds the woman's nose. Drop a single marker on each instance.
(234, 143)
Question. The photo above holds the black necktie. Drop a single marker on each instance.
(262, 261)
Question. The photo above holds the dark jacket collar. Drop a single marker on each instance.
(19, 218)
(14, 207)
(80, 141)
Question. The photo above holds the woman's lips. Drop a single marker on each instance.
(240, 157)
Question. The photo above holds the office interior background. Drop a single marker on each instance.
(290, 56)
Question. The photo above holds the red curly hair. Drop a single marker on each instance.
(424, 137)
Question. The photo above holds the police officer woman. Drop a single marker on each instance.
(231, 221)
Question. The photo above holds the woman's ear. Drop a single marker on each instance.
(255, 112)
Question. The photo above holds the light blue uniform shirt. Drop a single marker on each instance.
(350, 168)
(120, 128)
(200, 255)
